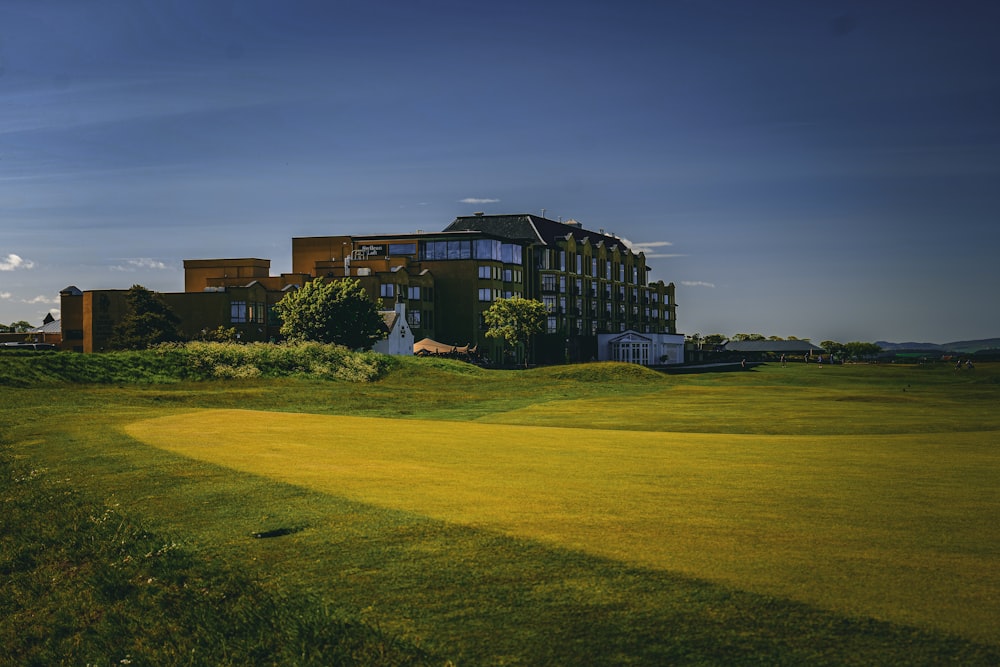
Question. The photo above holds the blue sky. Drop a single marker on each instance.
(828, 170)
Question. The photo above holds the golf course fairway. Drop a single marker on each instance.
(886, 526)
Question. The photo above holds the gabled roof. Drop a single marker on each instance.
(389, 318)
(631, 337)
(780, 346)
(50, 327)
(527, 227)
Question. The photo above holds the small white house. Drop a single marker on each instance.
(647, 349)
(400, 339)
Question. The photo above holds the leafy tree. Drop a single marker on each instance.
(748, 336)
(714, 340)
(834, 348)
(148, 321)
(775, 338)
(21, 326)
(337, 312)
(861, 350)
(515, 320)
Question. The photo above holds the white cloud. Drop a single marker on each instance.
(140, 263)
(4, 295)
(12, 261)
(696, 283)
(648, 249)
(43, 299)
(477, 200)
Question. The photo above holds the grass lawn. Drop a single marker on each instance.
(785, 516)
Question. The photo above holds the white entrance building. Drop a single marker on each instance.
(648, 349)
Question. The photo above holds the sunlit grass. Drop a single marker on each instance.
(887, 526)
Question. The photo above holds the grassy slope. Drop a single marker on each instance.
(486, 593)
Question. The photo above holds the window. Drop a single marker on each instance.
(508, 275)
(562, 260)
(402, 248)
(607, 270)
(550, 325)
(562, 284)
(413, 293)
(579, 263)
(413, 317)
(485, 294)
(548, 282)
(387, 289)
(550, 303)
(593, 267)
(621, 273)
(238, 312)
(485, 272)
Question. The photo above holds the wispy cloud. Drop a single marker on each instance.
(696, 283)
(12, 262)
(5, 295)
(477, 200)
(649, 248)
(43, 299)
(141, 263)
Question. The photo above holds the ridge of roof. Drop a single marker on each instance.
(542, 230)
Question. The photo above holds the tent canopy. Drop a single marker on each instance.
(431, 346)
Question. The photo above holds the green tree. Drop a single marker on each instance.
(748, 336)
(834, 348)
(20, 326)
(337, 312)
(148, 321)
(859, 350)
(712, 341)
(515, 320)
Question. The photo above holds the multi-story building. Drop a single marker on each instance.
(591, 284)
(594, 288)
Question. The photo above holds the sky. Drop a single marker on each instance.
(825, 169)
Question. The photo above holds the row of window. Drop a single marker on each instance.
(487, 272)
(413, 292)
(247, 312)
(579, 327)
(489, 249)
(492, 294)
(556, 283)
(560, 260)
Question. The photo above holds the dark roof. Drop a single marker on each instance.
(529, 227)
(783, 346)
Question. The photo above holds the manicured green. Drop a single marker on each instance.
(775, 493)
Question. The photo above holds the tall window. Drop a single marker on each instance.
(387, 289)
(413, 292)
(548, 282)
(238, 312)
(413, 317)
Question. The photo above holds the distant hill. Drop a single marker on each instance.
(959, 346)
